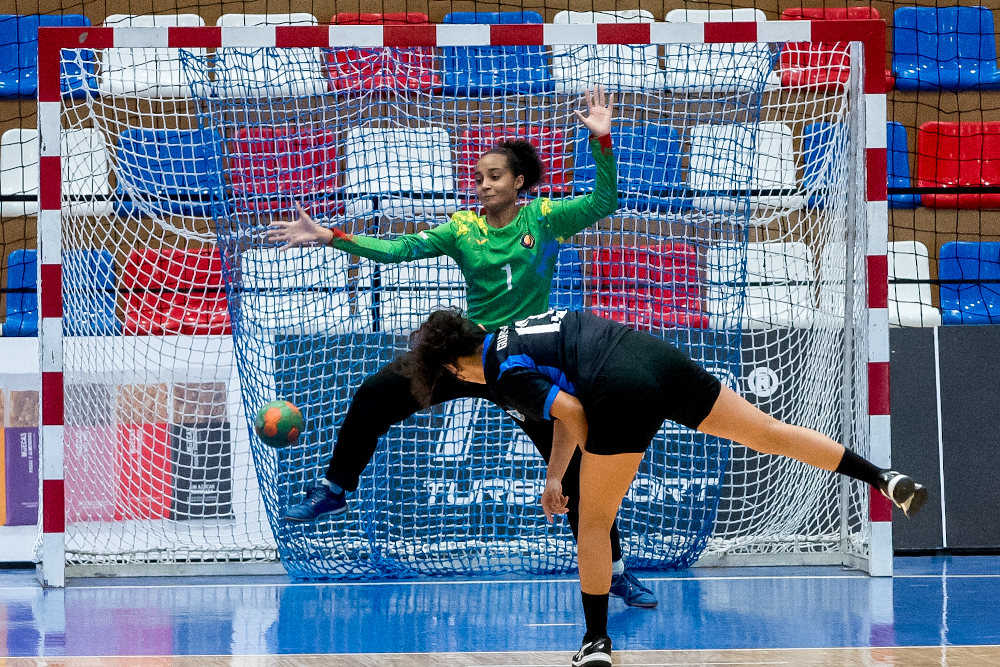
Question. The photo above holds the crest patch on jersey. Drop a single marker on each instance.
(528, 241)
(515, 414)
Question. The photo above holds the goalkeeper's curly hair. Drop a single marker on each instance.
(442, 339)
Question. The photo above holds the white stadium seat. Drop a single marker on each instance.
(412, 290)
(146, 72)
(725, 157)
(402, 165)
(718, 68)
(304, 289)
(778, 292)
(85, 167)
(910, 305)
(268, 72)
(577, 68)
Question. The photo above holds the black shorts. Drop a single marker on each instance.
(644, 382)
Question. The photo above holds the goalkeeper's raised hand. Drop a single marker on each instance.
(600, 110)
(300, 232)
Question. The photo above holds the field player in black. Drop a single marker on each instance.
(607, 390)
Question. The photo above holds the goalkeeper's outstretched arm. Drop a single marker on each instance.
(304, 231)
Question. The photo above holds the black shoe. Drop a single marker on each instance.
(320, 501)
(902, 491)
(596, 653)
(628, 588)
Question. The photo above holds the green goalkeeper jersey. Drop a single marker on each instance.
(508, 270)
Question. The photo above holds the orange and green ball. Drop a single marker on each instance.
(279, 424)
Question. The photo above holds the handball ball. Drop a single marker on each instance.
(279, 424)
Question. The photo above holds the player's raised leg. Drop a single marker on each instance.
(735, 418)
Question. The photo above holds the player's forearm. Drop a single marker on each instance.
(379, 250)
(582, 212)
(569, 431)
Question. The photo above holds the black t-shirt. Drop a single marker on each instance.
(526, 365)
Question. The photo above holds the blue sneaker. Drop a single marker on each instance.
(628, 588)
(320, 501)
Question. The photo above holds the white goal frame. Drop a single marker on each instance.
(869, 34)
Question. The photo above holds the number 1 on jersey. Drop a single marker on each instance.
(510, 277)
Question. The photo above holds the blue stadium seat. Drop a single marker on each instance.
(649, 167)
(944, 48)
(567, 283)
(816, 141)
(495, 70)
(89, 296)
(19, 57)
(22, 307)
(898, 164)
(970, 301)
(168, 171)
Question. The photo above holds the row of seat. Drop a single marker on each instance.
(650, 287)
(163, 172)
(459, 71)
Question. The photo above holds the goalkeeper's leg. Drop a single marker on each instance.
(623, 584)
(382, 400)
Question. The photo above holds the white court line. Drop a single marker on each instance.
(550, 625)
(404, 582)
(643, 664)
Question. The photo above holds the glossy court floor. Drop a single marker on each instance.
(942, 612)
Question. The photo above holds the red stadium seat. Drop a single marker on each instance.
(272, 168)
(649, 288)
(821, 66)
(950, 154)
(551, 146)
(170, 292)
(385, 69)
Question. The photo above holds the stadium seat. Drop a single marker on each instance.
(272, 168)
(944, 48)
(412, 290)
(567, 283)
(956, 154)
(551, 149)
(649, 167)
(147, 72)
(718, 68)
(19, 57)
(898, 165)
(722, 161)
(628, 285)
(409, 168)
(495, 70)
(909, 304)
(22, 306)
(279, 290)
(90, 293)
(777, 286)
(171, 292)
(85, 187)
(164, 172)
(577, 68)
(823, 66)
(970, 301)
(392, 69)
(266, 73)
(819, 163)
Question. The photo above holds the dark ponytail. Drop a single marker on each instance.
(442, 339)
(522, 159)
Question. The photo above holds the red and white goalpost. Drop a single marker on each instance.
(845, 333)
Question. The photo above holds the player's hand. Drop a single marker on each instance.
(553, 500)
(600, 110)
(300, 232)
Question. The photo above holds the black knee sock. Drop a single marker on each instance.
(859, 468)
(595, 610)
